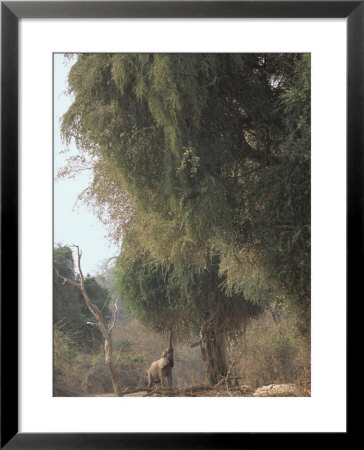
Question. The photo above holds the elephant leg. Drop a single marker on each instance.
(162, 379)
(169, 376)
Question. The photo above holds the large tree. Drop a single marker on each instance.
(202, 157)
(186, 299)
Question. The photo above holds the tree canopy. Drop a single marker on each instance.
(202, 163)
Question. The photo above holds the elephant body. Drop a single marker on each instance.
(161, 369)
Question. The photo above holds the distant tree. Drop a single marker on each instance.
(68, 303)
(66, 299)
(104, 329)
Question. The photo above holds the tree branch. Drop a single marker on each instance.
(79, 254)
(113, 319)
(99, 318)
(65, 279)
(93, 308)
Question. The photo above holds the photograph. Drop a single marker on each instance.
(181, 187)
(181, 224)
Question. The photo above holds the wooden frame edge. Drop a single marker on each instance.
(10, 13)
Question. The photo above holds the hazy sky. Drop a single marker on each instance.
(74, 223)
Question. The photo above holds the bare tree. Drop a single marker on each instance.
(100, 324)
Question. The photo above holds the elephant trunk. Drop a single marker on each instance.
(170, 347)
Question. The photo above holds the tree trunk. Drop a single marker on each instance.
(213, 349)
(105, 331)
(110, 365)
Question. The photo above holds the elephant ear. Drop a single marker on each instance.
(163, 362)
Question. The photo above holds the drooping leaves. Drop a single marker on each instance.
(211, 156)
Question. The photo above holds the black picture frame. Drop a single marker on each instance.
(11, 12)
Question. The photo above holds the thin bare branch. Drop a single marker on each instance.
(100, 320)
(113, 319)
(79, 254)
(93, 308)
(227, 377)
(65, 279)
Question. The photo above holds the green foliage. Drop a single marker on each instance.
(177, 297)
(67, 303)
(211, 156)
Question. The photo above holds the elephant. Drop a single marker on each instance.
(161, 369)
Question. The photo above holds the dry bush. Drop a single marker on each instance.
(81, 373)
(268, 354)
(264, 355)
(69, 363)
(97, 379)
(78, 373)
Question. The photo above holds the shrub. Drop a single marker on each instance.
(268, 354)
